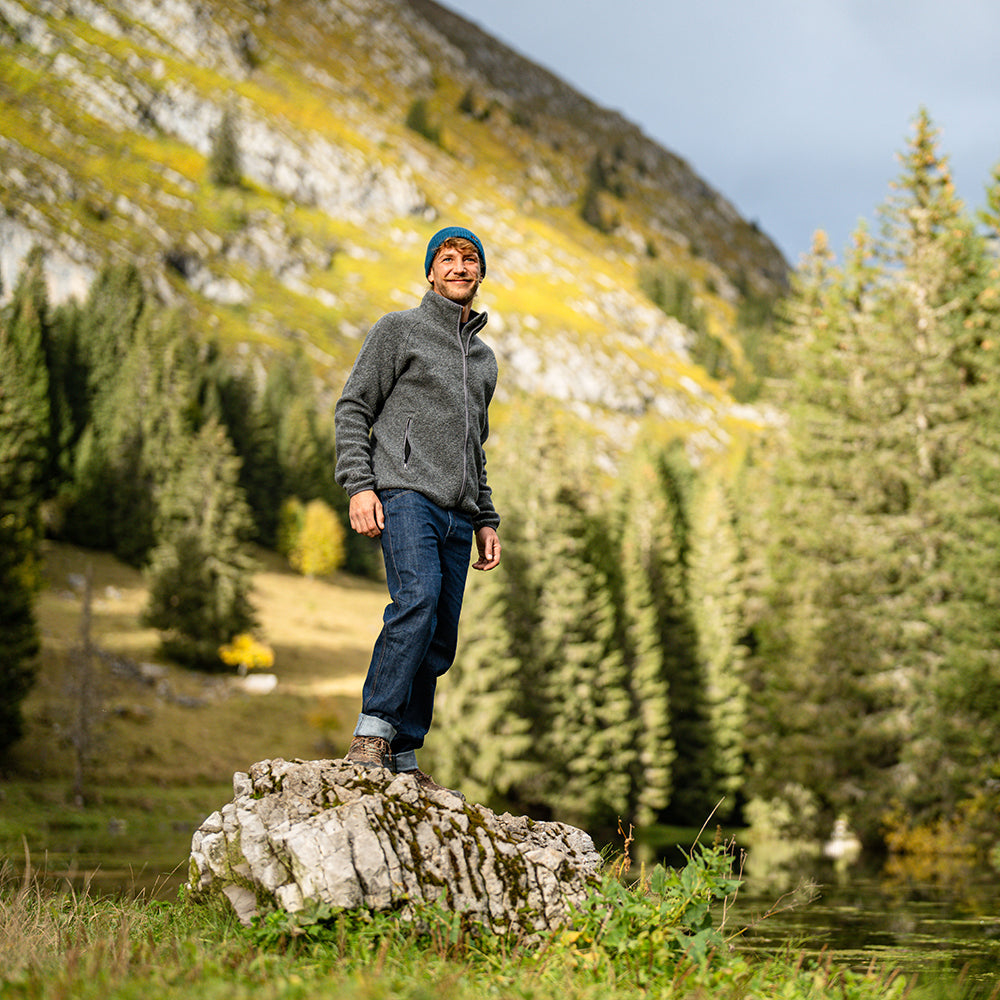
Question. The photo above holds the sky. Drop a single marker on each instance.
(794, 110)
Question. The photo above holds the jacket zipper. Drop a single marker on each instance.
(464, 348)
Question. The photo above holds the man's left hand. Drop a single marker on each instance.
(488, 546)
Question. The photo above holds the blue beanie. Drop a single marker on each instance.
(450, 232)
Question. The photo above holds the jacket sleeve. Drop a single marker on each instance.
(367, 387)
(487, 516)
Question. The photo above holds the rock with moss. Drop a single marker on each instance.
(300, 834)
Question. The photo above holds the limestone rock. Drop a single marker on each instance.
(329, 832)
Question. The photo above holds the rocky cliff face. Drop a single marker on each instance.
(361, 126)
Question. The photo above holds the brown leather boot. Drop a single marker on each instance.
(370, 751)
(428, 784)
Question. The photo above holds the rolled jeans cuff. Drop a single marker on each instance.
(370, 725)
(405, 761)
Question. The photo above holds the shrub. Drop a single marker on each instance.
(196, 600)
(246, 653)
(224, 163)
(311, 537)
(418, 119)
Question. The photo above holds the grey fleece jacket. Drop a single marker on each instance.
(413, 413)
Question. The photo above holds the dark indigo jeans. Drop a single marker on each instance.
(427, 551)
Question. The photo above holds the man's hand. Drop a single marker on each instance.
(488, 545)
(366, 514)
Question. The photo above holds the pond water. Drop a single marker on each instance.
(917, 921)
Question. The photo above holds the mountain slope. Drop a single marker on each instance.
(111, 110)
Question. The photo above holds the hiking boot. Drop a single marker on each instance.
(370, 751)
(428, 784)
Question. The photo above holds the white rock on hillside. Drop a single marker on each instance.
(328, 832)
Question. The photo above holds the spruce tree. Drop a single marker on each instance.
(960, 743)
(677, 638)
(536, 709)
(26, 395)
(490, 716)
(200, 571)
(237, 404)
(225, 162)
(717, 597)
(588, 739)
(875, 523)
(119, 349)
(110, 322)
(24, 463)
(18, 628)
(484, 733)
(639, 521)
(824, 714)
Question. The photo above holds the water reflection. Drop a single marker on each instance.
(903, 913)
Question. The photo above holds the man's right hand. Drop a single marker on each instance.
(366, 514)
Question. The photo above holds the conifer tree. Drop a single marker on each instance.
(488, 704)
(252, 429)
(119, 349)
(717, 598)
(588, 736)
(68, 395)
(546, 709)
(940, 259)
(225, 162)
(200, 572)
(22, 457)
(303, 439)
(959, 747)
(18, 628)
(482, 705)
(874, 507)
(676, 637)
(824, 712)
(110, 322)
(26, 393)
(637, 533)
(24, 462)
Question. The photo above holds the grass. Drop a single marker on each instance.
(56, 944)
(89, 902)
(166, 748)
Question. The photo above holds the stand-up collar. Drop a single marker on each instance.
(451, 313)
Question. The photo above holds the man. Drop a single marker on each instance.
(411, 424)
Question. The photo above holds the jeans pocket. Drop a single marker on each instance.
(386, 496)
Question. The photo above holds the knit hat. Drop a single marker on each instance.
(448, 233)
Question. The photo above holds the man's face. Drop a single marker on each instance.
(455, 274)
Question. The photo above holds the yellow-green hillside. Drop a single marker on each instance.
(110, 116)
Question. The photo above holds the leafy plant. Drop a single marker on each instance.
(665, 916)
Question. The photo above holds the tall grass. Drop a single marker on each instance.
(645, 939)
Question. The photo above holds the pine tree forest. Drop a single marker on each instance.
(809, 628)
(122, 431)
(815, 633)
